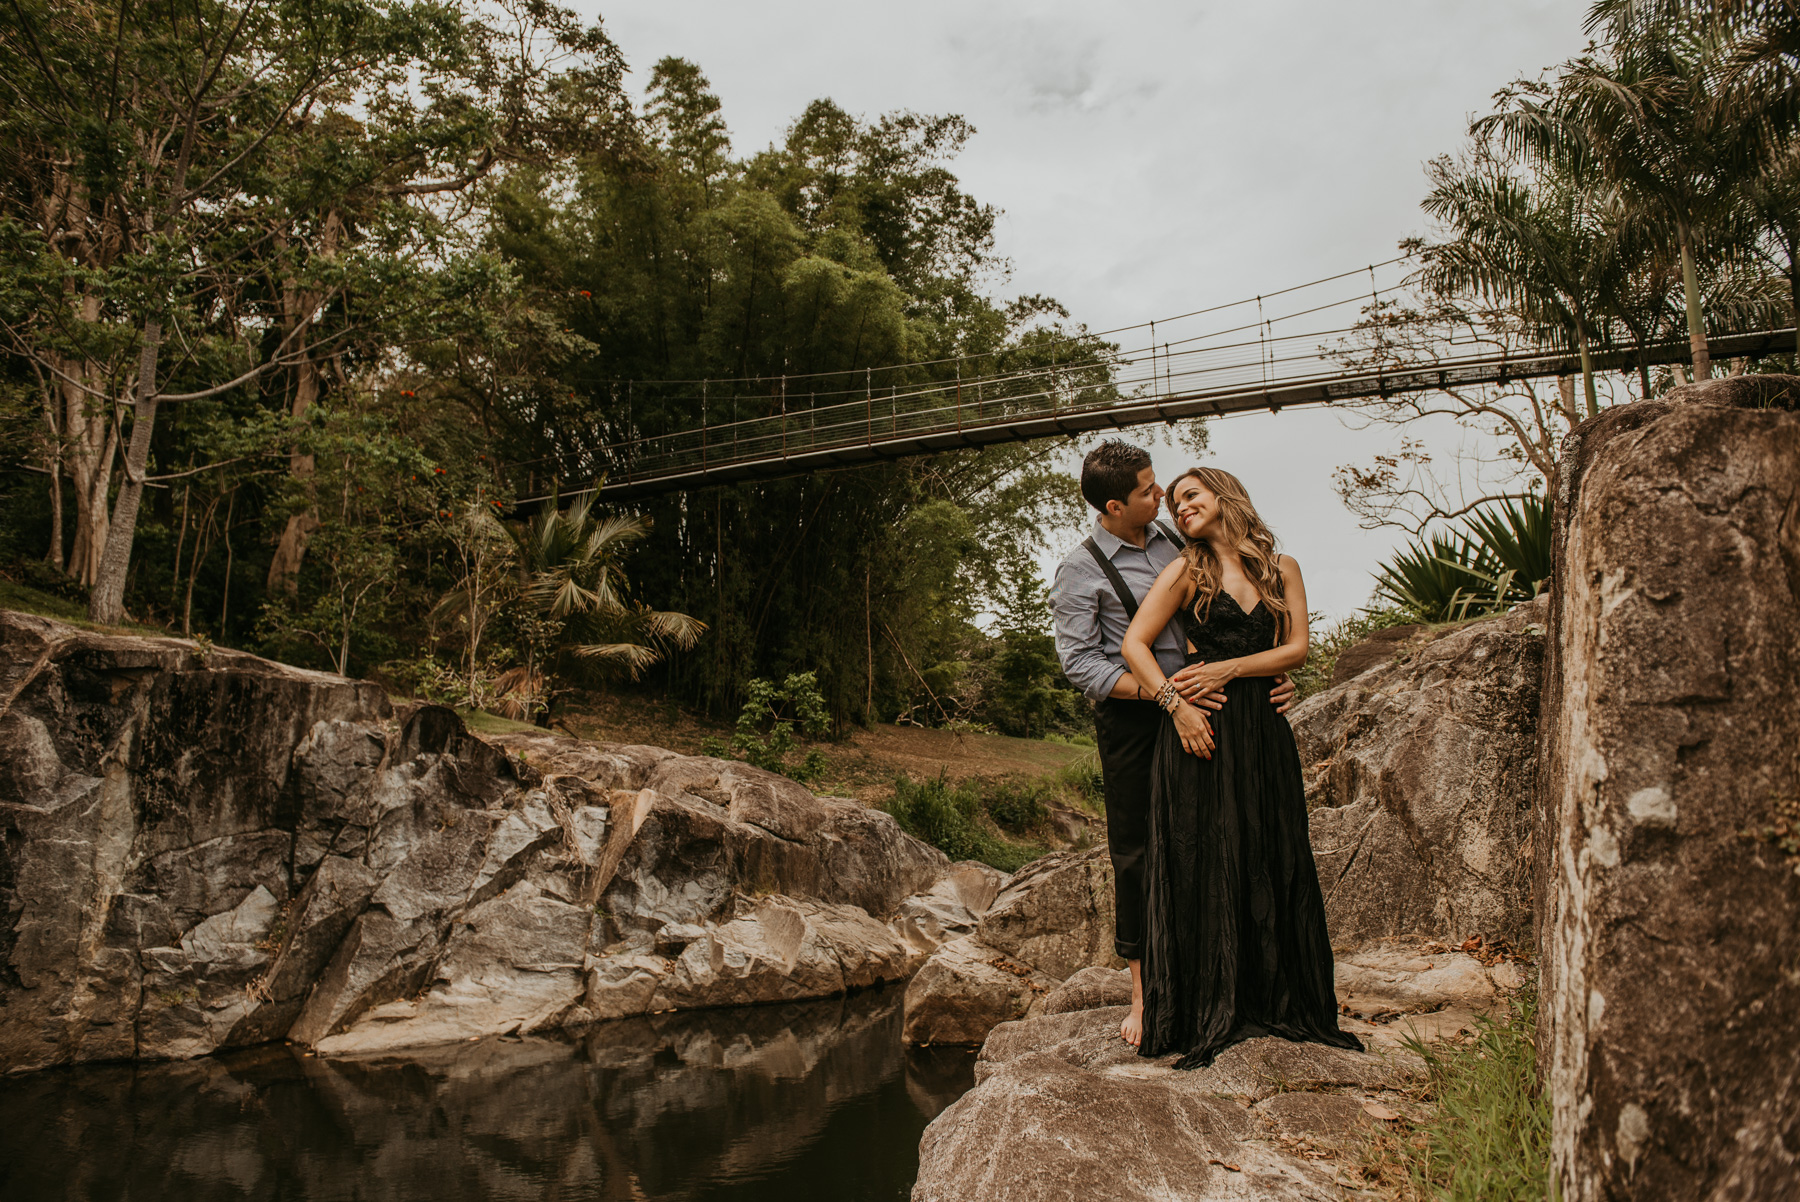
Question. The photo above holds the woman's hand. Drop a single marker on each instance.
(1208, 678)
(1196, 734)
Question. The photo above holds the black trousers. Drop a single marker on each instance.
(1126, 734)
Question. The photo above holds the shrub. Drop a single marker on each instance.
(1324, 648)
(1500, 557)
(765, 727)
(1081, 782)
(953, 819)
(1018, 806)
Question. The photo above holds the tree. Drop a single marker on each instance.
(1537, 246)
(147, 206)
(1030, 693)
(1642, 116)
(572, 577)
(691, 285)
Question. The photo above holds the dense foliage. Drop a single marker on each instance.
(319, 322)
(1501, 555)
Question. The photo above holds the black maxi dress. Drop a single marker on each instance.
(1235, 941)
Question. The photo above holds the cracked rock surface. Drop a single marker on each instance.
(1062, 1108)
(202, 849)
(1042, 927)
(1419, 777)
(1669, 880)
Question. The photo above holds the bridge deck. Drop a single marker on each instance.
(875, 428)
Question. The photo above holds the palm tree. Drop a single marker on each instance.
(1642, 118)
(1534, 244)
(571, 584)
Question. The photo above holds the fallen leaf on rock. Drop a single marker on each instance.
(1376, 1110)
(1229, 1167)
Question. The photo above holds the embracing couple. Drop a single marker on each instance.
(1182, 632)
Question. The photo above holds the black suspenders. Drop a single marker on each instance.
(1112, 573)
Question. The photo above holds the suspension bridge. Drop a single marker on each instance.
(1306, 345)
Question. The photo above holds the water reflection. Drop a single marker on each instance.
(816, 1100)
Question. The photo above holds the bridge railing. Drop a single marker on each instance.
(799, 426)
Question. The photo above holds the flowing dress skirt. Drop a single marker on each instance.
(1236, 945)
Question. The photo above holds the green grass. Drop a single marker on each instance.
(484, 723)
(26, 599)
(1488, 1138)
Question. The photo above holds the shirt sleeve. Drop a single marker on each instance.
(1075, 609)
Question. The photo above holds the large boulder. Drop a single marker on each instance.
(201, 849)
(1669, 883)
(1045, 924)
(1063, 1108)
(1419, 775)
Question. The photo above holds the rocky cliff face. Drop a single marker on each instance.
(1668, 884)
(206, 851)
(1419, 776)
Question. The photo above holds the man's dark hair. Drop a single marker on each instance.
(1110, 472)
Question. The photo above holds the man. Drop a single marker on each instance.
(1092, 598)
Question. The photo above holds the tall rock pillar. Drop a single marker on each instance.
(1668, 884)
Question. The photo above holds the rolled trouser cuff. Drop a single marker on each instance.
(1128, 951)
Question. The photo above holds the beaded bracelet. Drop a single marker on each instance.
(1167, 697)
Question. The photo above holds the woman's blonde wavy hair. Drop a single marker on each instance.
(1255, 546)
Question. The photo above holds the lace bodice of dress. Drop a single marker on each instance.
(1228, 632)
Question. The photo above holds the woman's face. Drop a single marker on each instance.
(1196, 507)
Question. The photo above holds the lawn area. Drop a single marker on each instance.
(25, 599)
(863, 766)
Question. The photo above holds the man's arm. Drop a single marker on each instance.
(1075, 610)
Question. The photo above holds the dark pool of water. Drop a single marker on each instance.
(814, 1100)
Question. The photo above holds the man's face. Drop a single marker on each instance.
(1139, 509)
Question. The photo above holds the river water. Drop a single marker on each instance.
(815, 1100)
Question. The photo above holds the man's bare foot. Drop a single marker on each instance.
(1132, 1029)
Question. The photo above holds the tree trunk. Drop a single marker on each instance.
(53, 465)
(1587, 369)
(90, 443)
(284, 568)
(1696, 321)
(1793, 275)
(300, 306)
(55, 555)
(106, 604)
(1565, 395)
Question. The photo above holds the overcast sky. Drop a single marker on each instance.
(1154, 157)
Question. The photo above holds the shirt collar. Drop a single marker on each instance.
(1109, 543)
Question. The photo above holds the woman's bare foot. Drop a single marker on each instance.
(1132, 1029)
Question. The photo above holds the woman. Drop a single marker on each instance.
(1235, 943)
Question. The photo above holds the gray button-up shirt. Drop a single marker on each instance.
(1090, 618)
